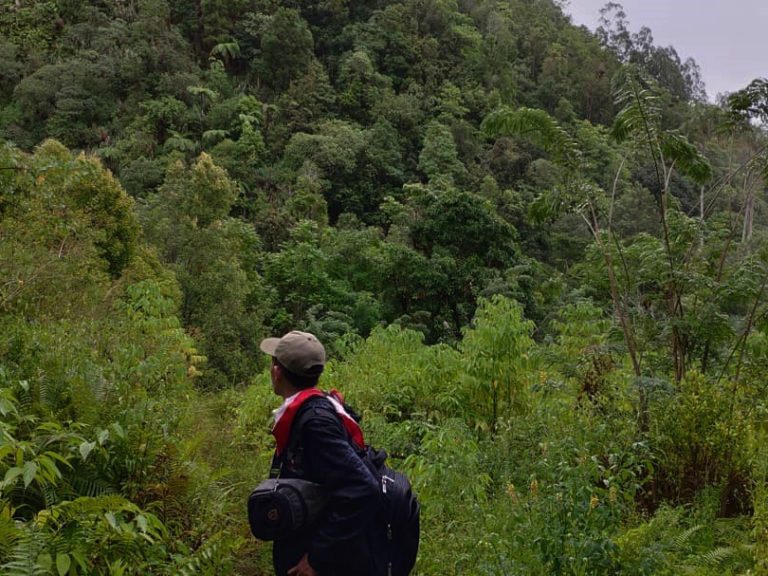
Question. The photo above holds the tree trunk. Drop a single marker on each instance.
(749, 215)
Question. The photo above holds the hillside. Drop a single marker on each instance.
(535, 256)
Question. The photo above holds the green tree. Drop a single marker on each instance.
(359, 86)
(496, 347)
(439, 160)
(214, 258)
(286, 48)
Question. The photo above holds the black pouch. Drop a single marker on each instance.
(281, 507)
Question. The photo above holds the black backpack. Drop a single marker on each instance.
(395, 532)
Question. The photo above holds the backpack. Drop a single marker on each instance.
(399, 517)
(396, 529)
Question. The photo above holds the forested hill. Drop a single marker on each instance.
(535, 255)
(362, 116)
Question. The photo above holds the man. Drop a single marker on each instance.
(320, 450)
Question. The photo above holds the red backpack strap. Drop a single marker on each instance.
(282, 428)
(350, 424)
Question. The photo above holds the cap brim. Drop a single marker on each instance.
(269, 345)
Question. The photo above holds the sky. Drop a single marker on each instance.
(727, 38)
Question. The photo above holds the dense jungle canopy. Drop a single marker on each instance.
(537, 257)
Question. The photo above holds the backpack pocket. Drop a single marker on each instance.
(281, 507)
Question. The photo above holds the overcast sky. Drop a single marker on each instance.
(727, 38)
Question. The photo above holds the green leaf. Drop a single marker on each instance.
(5, 451)
(6, 407)
(639, 104)
(30, 469)
(63, 562)
(80, 559)
(103, 437)
(11, 474)
(686, 157)
(111, 519)
(85, 449)
(48, 469)
(46, 561)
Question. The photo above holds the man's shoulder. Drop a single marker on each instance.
(316, 411)
(316, 405)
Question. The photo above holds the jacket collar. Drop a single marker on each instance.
(287, 412)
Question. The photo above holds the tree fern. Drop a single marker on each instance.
(537, 125)
(227, 51)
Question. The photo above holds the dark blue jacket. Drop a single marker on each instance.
(340, 543)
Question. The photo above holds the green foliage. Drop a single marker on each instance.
(750, 102)
(557, 329)
(497, 346)
(702, 417)
(68, 227)
(213, 257)
(286, 47)
(536, 124)
(439, 160)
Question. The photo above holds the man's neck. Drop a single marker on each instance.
(288, 390)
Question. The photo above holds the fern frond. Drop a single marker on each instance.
(214, 557)
(24, 557)
(227, 50)
(677, 149)
(716, 558)
(639, 104)
(725, 559)
(50, 495)
(10, 533)
(684, 538)
(535, 124)
(91, 486)
(211, 137)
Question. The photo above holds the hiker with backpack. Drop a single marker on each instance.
(319, 441)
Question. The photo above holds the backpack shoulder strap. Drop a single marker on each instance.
(302, 417)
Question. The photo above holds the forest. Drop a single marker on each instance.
(536, 255)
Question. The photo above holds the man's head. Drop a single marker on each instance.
(297, 357)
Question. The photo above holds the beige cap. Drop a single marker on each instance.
(299, 352)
